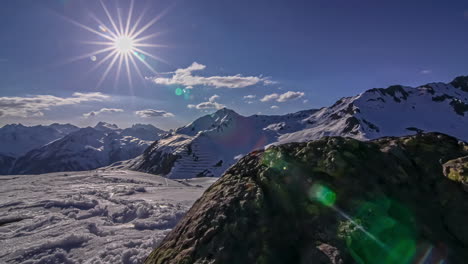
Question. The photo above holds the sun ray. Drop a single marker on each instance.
(136, 67)
(148, 37)
(129, 17)
(107, 43)
(87, 55)
(145, 63)
(119, 18)
(88, 28)
(137, 22)
(149, 24)
(119, 68)
(106, 28)
(110, 18)
(150, 55)
(103, 77)
(103, 60)
(128, 71)
(150, 45)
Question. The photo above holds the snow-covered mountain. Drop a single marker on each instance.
(16, 139)
(87, 148)
(212, 143)
(394, 111)
(143, 131)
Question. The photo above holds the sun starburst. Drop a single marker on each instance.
(123, 43)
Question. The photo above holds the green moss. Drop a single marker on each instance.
(455, 175)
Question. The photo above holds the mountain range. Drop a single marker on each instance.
(54, 148)
(213, 143)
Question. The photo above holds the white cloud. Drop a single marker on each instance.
(103, 111)
(211, 104)
(213, 98)
(289, 96)
(147, 113)
(35, 105)
(305, 101)
(281, 98)
(425, 72)
(274, 107)
(270, 97)
(250, 96)
(184, 77)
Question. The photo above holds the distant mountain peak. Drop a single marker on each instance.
(103, 126)
(147, 126)
(225, 110)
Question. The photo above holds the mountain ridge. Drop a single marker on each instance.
(78, 148)
(212, 143)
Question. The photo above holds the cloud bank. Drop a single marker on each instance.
(147, 113)
(35, 105)
(103, 111)
(185, 77)
(281, 98)
(211, 104)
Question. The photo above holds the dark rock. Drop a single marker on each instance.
(352, 123)
(392, 91)
(334, 200)
(461, 83)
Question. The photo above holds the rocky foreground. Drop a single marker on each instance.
(334, 200)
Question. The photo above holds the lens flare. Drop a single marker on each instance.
(179, 91)
(322, 194)
(381, 231)
(123, 41)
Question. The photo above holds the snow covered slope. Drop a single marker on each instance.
(89, 216)
(394, 111)
(85, 149)
(16, 139)
(212, 143)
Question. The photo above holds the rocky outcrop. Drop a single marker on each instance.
(333, 200)
(457, 170)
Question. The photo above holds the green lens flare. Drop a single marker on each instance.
(392, 230)
(322, 194)
(179, 91)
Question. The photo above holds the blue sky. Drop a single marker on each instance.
(300, 54)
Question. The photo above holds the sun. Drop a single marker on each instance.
(123, 41)
(123, 44)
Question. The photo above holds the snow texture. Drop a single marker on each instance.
(90, 216)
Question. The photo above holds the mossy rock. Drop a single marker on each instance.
(333, 200)
(457, 170)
